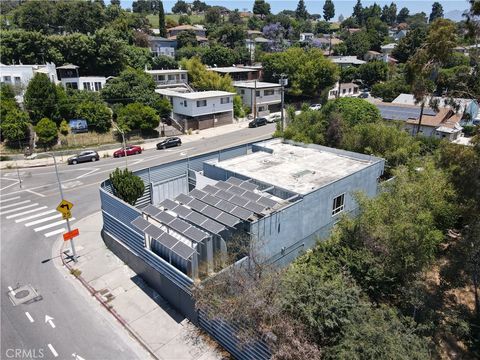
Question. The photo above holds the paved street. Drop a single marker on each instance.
(80, 328)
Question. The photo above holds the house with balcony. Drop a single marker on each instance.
(200, 109)
(170, 78)
(161, 46)
(70, 78)
(267, 96)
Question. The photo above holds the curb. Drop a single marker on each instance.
(109, 308)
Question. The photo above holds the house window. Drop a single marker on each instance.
(17, 80)
(86, 86)
(242, 92)
(224, 100)
(257, 93)
(269, 92)
(161, 77)
(171, 77)
(98, 86)
(183, 76)
(201, 103)
(71, 85)
(338, 204)
(344, 91)
(7, 79)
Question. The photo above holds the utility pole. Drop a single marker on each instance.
(255, 100)
(124, 143)
(61, 195)
(283, 82)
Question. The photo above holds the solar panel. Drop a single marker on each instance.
(154, 231)
(248, 186)
(256, 208)
(211, 212)
(267, 202)
(197, 193)
(213, 226)
(183, 250)
(224, 195)
(241, 213)
(168, 204)
(237, 200)
(196, 218)
(164, 217)
(140, 223)
(236, 190)
(210, 189)
(179, 225)
(251, 196)
(195, 234)
(225, 206)
(181, 211)
(197, 205)
(151, 210)
(233, 180)
(167, 240)
(227, 219)
(223, 185)
(184, 199)
(211, 200)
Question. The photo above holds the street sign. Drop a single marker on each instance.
(66, 215)
(65, 206)
(70, 235)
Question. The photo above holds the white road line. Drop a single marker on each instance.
(54, 232)
(43, 220)
(26, 212)
(88, 173)
(19, 208)
(35, 216)
(11, 290)
(29, 317)
(6, 187)
(35, 193)
(52, 349)
(12, 205)
(13, 198)
(52, 225)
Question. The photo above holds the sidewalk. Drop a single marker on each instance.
(165, 333)
(149, 144)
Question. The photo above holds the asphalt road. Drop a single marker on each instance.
(30, 227)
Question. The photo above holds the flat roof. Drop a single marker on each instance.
(390, 111)
(346, 60)
(251, 84)
(231, 69)
(194, 95)
(299, 169)
(169, 71)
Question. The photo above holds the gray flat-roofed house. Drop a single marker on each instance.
(266, 96)
(162, 46)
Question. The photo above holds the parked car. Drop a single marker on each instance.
(169, 142)
(315, 107)
(258, 122)
(273, 118)
(84, 156)
(130, 150)
(364, 95)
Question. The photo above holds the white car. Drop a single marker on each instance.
(315, 107)
(273, 118)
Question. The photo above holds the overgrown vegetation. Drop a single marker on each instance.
(126, 185)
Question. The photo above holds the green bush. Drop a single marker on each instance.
(126, 185)
(47, 132)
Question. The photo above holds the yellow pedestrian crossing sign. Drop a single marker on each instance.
(66, 215)
(64, 207)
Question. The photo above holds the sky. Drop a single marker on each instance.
(343, 7)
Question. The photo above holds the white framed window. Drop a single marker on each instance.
(269, 92)
(224, 100)
(201, 103)
(338, 204)
(242, 92)
(257, 93)
(7, 79)
(183, 76)
(98, 86)
(86, 86)
(18, 81)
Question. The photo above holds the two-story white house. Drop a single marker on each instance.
(200, 109)
(161, 46)
(169, 78)
(344, 90)
(266, 96)
(70, 78)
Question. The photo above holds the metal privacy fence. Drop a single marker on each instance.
(168, 281)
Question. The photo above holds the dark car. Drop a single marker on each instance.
(169, 142)
(84, 156)
(257, 122)
(130, 150)
(363, 95)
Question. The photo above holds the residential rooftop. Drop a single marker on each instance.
(346, 60)
(169, 71)
(232, 69)
(252, 85)
(300, 169)
(194, 95)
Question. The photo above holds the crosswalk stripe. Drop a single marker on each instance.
(17, 209)
(54, 232)
(52, 225)
(12, 205)
(26, 212)
(35, 216)
(13, 198)
(43, 220)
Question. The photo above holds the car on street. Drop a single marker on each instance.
(260, 121)
(169, 142)
(130, 150)
(315, 107)
(273, 118)
(84, 156)
(364, 95)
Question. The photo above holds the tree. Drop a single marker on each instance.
(106, 44)
(161, 21)
(230, 35)
(219, 55)
(137, 57)
(389, 14)
(403, 15)
(358, 12)
(328, 10)
(261, 7)
(164, 62)
(14, 126)
(180, 7)
(213, 15)
(352, 110)
(199, 6)
(34, 16)
(137, 116)
(408, 45)
(186, 38)
(437, 12)
(235, 18)
(47, 133)
(358, 43)
(301, 11)
(389, 90)
(141, 6)
(41, 98)
(126, 185)
(97, 114)
(202, 79)
(64, 128)
(184, 19)
(372, 72)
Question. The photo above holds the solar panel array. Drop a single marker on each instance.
(402, 113)
(167, 240)
(221, 204)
